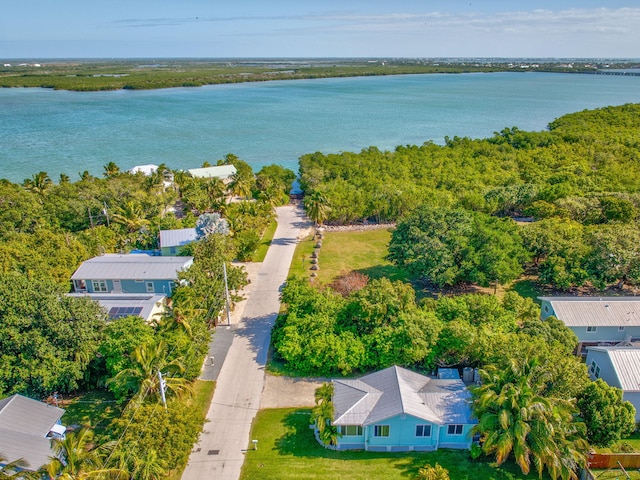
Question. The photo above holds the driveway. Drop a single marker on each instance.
(219, 453)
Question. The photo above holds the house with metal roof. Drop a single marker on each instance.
(619, 367)
(596, 320)
(129, 273)
(223, 172)
(26, 429)
(148, 306)
(173, 241)
(396, 409)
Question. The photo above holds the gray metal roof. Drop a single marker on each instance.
(24, 425)
(177, 238)
(35, 451)
(596, 311)
(113, 266)
(219, 171)
(397, 391)
(626, 365)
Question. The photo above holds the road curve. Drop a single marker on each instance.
(219, 453)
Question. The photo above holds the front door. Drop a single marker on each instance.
(117, 286)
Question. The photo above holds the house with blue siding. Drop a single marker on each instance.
(396, 410)
(619, 367)
(596, 320)
(129, 273)
(173, 241)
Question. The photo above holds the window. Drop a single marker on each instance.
(80, 285)
(350, 430)
(454, 430)
(591, 329)
(150, 288)
(592, 367)
(621, 329)
(172, 250)
(381, 431)
(99, 285)
(423, 430)
(597, 372)
(546, 309)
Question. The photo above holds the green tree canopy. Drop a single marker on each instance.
(607, 416)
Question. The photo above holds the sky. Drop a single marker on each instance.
(319, 28)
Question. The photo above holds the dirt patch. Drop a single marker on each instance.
(285, 392)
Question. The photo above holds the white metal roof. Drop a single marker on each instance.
(626, 365)
(596, 311)
(396, 391)
(113, 266)
(144, 169)
(145, 305)
(219, 171)
(178, 237)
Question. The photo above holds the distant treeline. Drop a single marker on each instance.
(135, 74)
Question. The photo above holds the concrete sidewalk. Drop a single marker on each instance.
(220, 452)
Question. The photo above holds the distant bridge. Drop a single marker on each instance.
(618, 72)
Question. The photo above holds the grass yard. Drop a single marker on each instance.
(287, 449)
(267, 236)
(95, 409)
(344, 252)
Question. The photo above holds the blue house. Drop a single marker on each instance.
(132, 273)
(396, 410)
(172, 241)
(619, 367)
(596, 320)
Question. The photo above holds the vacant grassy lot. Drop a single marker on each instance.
(344, 252)
(287, 449)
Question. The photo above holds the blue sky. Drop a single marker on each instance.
(327, 28)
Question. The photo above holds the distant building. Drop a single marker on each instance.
(172, 241)
(596, 320)
(223, 172)
(26, 429)
(397, 410)
(129, 273)
(146, 170)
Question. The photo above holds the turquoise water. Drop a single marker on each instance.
(277, 122)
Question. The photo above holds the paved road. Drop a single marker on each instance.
(220, 452)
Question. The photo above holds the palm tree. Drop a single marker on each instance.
(317, 207)
(111, 169)
(322, 414)
(38, 183)
(242, 185)
(131, 216)
(13, 469)
(514, 420)
(143, 379)
(433, 472)
(75, 458)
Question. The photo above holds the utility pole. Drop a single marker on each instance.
(226, 293)
(163, 387)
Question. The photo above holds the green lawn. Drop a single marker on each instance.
(344, 252)
(287, 449)
(95, 409)
(267, 236)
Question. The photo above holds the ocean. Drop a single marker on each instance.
(277, 122)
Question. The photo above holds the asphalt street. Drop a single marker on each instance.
(219, 453)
